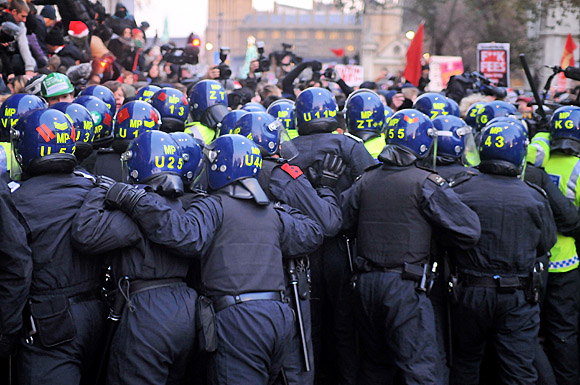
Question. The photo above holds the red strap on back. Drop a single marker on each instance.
(293, 171)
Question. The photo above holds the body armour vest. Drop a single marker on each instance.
(265, 174)
(391, 227)
(245, 255)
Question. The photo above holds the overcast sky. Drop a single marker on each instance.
(186, 16)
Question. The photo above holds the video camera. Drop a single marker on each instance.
(286, 52)
(470, 83)
(8, 32)
(225, 71)
(262, 60)
(187, 55)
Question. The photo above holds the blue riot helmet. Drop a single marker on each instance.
(232, 158)
(565, 130)
(146, 93)
(503, 149)
(495, 109)
(209, 103)
(388, 113)
(155, 159)
(455, 141)
(365, 114)
(253, 107)
(454, 108)
(433, 105)
(103, 93)
(82, 121)
(228, 123)
(133, 119)
(15, 106)
(511, 120)
(315, 111)
(173, 108)
(283, 109)
(192, 158)
(43, 142)
(472, 112)
(410, 130)
(262, 128)
(268, 133)
(102, 120)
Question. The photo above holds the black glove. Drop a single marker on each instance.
(124, 197)
(328, 173)
(104, 182)
(8, 344)
(315, 65)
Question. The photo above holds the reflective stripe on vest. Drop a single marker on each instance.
(539, 150)
(571, 263)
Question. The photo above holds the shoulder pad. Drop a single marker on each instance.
(537, 188)
(379, 164)
(437, 179)
(293, 171)
(353, 137)
(461, 177)
(85, 175)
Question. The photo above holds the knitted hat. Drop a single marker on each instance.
(78, 29)
(48, 12)
(54, 37)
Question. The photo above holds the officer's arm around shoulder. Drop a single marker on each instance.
(187, 233)
(454, 222)
(299, 234)
(96, 230)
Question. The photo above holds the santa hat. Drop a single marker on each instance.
(78, 29)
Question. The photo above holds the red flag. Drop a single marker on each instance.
(566, 61)
(414, 53)
(339, 52)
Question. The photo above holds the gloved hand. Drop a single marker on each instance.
(104, 182)
(123, 197)
(328, 172)
(315, 65)
(331, 75)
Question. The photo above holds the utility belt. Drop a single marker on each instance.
(127, 288)
(423, 275)
(531, 285)
(225, 301)
(208, 307)
(50, 320)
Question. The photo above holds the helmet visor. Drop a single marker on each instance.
(286, 147)
(15, 167)
(470, 156)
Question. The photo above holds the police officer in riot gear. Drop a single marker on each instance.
(433, 104)
(145, 93)
(395, 207)
(12, 109)
(500, 273)
(241, 272)
(365, 119)
(155, 340)
(334, 347)
(283, 182)
(133, 119)
(209, 105)
(64, 313)
(562, 301)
